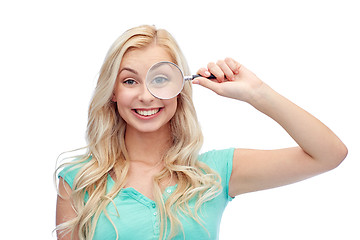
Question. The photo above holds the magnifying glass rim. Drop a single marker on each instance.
(165, 62)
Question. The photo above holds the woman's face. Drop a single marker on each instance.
(142, 111)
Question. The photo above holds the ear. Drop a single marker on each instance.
(113, 98)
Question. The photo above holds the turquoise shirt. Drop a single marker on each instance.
(138, 215)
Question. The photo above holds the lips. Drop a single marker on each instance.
(147, 112)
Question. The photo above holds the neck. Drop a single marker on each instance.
(147, 148)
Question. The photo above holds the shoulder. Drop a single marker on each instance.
(70, 170)
(218, 159)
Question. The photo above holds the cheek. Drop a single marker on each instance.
(123, 97)
(123, 102)
(172, 106)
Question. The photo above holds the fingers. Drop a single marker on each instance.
(233, 65)
(204, 81)
(216, 71)
(204, 72)
(223, 70)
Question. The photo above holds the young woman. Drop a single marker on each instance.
(142, 176)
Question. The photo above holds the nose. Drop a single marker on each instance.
(145, 95)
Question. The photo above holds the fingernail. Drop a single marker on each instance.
(207, 73)
(195, 81)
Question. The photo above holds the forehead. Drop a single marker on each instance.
(144, 58)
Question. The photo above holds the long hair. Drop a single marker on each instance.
(106, 149)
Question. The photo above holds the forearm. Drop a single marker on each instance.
(311, 135)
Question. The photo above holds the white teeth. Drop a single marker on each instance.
(147, 112)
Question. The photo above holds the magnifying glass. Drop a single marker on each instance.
(165, 80)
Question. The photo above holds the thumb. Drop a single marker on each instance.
(212, 85)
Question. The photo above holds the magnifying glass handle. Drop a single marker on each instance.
(197, 75)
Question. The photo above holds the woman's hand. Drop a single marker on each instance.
(232, 80)
(319, 148)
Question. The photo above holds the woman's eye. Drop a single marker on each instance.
(129, 81)
(160, 80)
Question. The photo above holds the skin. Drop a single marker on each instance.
(146, 138)
(318, 150)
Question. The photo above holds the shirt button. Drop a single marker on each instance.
(155, 213)
(153, 205)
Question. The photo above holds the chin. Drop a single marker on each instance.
(151, 128)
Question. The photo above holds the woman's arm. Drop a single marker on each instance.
(319, 148)
(64, 209)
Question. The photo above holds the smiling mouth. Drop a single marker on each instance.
(147, 112)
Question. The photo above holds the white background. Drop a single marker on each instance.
(51, 52)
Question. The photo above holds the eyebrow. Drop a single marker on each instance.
(128, 69)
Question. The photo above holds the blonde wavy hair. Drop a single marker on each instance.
(106, 149)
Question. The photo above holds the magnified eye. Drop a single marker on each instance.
(160, 81)
(164, 80)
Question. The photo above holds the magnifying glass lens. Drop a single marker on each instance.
(164, 80)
